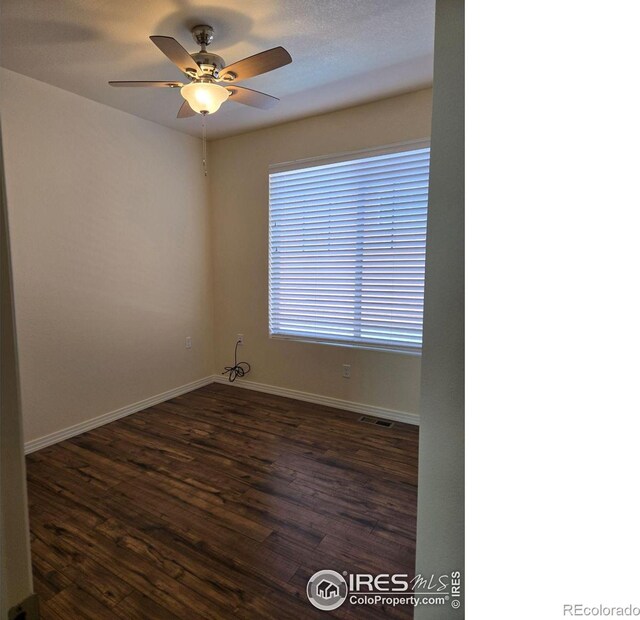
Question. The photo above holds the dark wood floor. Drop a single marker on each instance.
(220, 504)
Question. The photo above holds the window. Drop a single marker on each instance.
(347, 240)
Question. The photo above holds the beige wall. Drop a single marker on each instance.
(440, 531)
(15, 563)
(110, 236)
(239, 196)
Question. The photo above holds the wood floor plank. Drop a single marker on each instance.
(133, 568)
(48, 581)
(98, 581)
(100, 463)
(137, 606)
(43, 497)
(236, 560)
(220, 503)
(74, 602)
(171, 494)
(57, 555)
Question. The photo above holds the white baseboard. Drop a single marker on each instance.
(379, 412)
(105, 418)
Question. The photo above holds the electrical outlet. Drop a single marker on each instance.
(240, 338)
(187, 342)
(346, 371)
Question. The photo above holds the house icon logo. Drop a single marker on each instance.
(327, 590)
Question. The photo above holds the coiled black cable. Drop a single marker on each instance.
(238, 369)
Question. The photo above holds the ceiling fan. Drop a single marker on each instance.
(211, 82)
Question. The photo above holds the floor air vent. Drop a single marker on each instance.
(376, 421)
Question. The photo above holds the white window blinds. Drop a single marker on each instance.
(347, 246)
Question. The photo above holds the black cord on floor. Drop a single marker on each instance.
(238, 369)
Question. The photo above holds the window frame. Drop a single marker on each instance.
(310, 162)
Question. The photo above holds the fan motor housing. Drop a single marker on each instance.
(208, 59)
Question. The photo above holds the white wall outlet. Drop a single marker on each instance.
(187, 342)
(240, 338)
(346, 371)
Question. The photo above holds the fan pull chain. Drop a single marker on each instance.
(204, 146)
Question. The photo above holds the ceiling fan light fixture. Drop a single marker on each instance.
(204, 97)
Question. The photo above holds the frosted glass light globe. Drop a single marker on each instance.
(204, 97)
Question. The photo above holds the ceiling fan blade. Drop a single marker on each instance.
(251, 97)
(148, 84)
(176, 54)
(185, 110)
(257, 64)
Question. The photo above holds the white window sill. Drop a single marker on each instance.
(350, 345)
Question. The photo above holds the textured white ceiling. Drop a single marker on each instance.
(345, 52)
